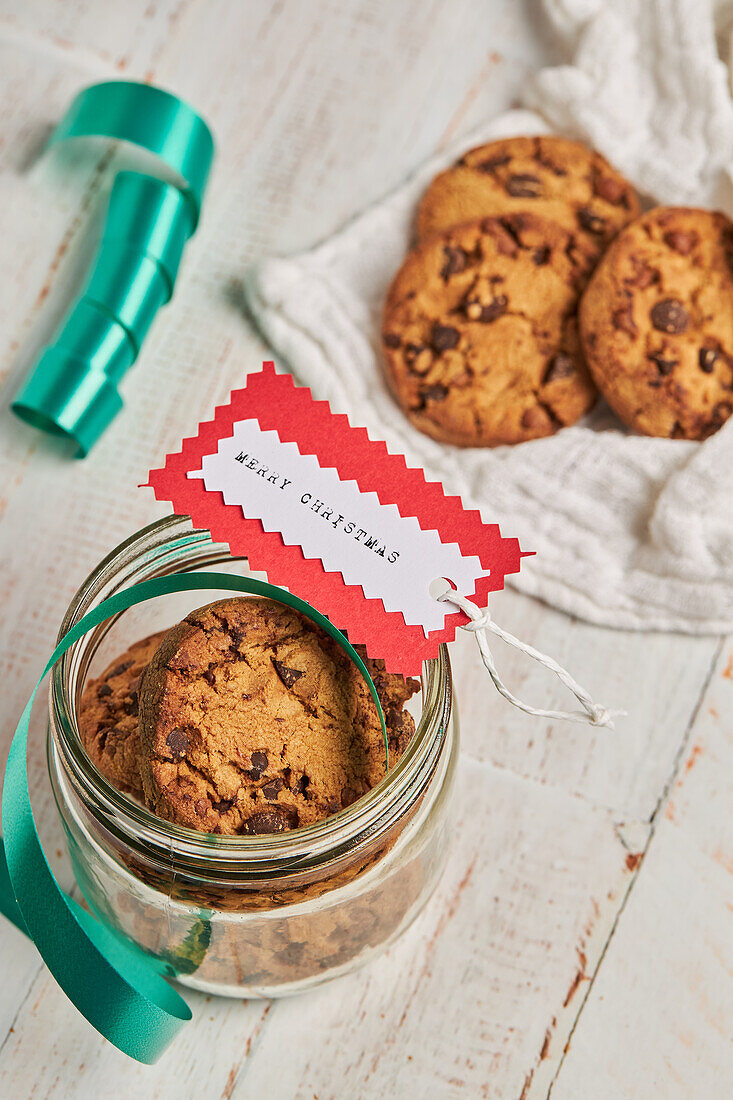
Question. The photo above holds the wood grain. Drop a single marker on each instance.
(666, 985)
(579, 942)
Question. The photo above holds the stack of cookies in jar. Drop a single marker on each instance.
(243, 719)
(536, 285)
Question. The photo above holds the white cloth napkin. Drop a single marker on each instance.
(629, 531)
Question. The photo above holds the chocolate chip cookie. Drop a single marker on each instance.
(657, 323)
(108, 716)
(480, 332)
(253, 720)
(550, 176)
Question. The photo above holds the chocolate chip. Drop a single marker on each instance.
(542, 156)
(496, 308)
(623, 319)
(119, 670)
(513, 224)
(444, 337)
(270, 821)
(391, 340)
(178, 742)
(594, 223)
(202, 807)
(103, 691)
(492, 163)
(456, 260)
(348, 796)
(393, 716)
(681, 240)
(270, 790)
(524, 186)
(610, 189)
(643, 275)
(542, 255)
(506, 241)
(560, 366)
(669, 315)
(131, 705)
(222, 806)
(579, 259)
(301, 784)
(706, 357)
(210, 677)
(664, 366)
(287, 675)
(718, 417)
(434, 393)
(726, 242)
(259, 760)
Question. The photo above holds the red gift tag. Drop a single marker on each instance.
(331, 515)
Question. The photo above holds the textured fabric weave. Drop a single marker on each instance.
(629, 531)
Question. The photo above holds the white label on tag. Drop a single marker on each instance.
(369, 543)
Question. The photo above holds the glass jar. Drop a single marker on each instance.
(244, 916)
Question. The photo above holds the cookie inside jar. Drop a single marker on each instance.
(244, 718)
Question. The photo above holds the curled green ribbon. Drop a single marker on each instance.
(114, 985)
(72, 390)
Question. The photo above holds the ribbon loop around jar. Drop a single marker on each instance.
(118, 988)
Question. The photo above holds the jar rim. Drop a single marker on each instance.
(157, 550)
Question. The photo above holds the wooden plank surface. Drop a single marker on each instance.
(666, 984)
(580, 939)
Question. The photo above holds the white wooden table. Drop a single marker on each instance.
(581, 943)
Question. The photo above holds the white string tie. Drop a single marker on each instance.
(482, 623)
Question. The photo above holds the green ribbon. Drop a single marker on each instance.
(120, 990)
(73, 389)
